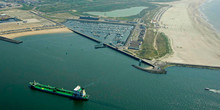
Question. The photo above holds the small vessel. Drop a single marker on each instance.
(78, 93)
(207, 89)
(100, 45)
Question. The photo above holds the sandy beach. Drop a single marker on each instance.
(192, 39)
(48, 31)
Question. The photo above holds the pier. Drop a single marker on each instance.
(10, 40)
(101, 45)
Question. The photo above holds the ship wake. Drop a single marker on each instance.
(214, 91)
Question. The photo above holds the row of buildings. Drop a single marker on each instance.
(135, 45)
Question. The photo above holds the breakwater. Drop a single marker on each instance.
(112, 47)
(10, 40)
(193, 66)
(93, 39)
(156, 71)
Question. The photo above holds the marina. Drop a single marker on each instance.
(113, 34)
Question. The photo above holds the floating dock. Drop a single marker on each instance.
(10, 40)
(101, 45)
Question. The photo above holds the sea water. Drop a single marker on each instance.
(68, 60)
(211, 11)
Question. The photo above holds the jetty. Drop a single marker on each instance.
(193, 66)
(10, 40)
(101, 45)
(154, 70)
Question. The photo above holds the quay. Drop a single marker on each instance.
(10, 40)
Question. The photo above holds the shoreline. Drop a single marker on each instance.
(46, 31)
(192, 38)
(205, 17)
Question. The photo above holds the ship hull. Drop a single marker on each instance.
(60, 94)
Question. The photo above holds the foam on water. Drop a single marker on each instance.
(210, 12)
(214, 91)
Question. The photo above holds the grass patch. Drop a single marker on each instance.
(163, 45)
(147, 49)
(26, 7)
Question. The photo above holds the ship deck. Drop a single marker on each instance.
(53, 89)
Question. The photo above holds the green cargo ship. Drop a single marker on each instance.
(78, 93)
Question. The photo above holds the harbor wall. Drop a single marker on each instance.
(10, 40)
(114, 48)
(93, 39)
(156, 71)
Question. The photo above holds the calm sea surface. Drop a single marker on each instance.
(120, 13)
(211, 10)
(67, 60)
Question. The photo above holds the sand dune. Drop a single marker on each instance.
(193, 40)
